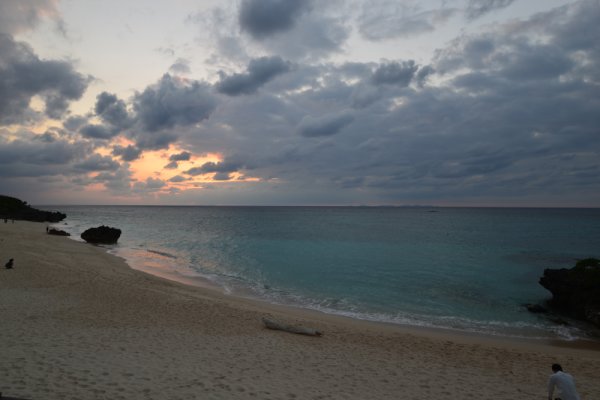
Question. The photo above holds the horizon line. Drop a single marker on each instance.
(320, 205)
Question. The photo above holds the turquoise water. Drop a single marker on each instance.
(460, 268)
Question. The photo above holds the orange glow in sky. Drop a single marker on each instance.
(152, 165)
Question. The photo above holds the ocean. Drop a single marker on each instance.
(465, 269)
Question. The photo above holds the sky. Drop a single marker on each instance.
(301, 102)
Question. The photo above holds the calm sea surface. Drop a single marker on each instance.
(468, 269)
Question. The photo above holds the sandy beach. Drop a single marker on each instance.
(78, 323)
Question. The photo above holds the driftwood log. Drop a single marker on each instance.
(301, 330)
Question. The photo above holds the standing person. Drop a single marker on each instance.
(563, 382)
(9, 264)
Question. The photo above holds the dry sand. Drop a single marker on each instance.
(78, 323)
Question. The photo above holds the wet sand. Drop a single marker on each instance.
(78, 323)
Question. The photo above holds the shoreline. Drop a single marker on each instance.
(243, 294)
(210, 286)
(215, 289)
(467, 301)
(69, 307)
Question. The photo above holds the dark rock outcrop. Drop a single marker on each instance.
(58, 232)
(12, 208)
(575, 291)
(101, 235)
(535, 308)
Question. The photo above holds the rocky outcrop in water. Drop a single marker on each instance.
(15, 209)
(101, 235)
(575, 291)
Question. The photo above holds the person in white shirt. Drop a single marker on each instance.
(563, 382)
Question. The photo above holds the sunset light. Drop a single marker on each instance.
(465, 102)
(299, 199)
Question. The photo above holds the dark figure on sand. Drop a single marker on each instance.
(9, 264)
(564, 383)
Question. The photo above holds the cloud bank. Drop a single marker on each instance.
(262, 18)
(24, 75)
(505, 114)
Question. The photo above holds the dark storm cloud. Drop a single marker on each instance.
(509, 112)
(423, 74)
(174, 158)
(117, 181)
(148, 186)
(472, 163)
(263, 18)
(511, 91)
(33, 156)
(48, 137)
(507, 58)
(171, 102)
(75, 122)
(575, 28)
(93, 131)
(535, 62)
(178, 179)
(302, 31)
(112, 110)
(355, 70)
(38, 152)
(155, 140)
(578, 30)
(128, 153)
(23, 75)
(51, 160)
(315, 37)
(221, 170)
(222, 176)
(224, 166)
(503, 114)
(168, 104)
(478, 8)
(514, 57)
(259, 72)
(326, 125)
(364, 95)
(183, 156)
(395, 73)
(96, 162)
(386, 19)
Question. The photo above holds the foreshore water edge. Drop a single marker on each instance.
(77, 322)
(466, 269)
